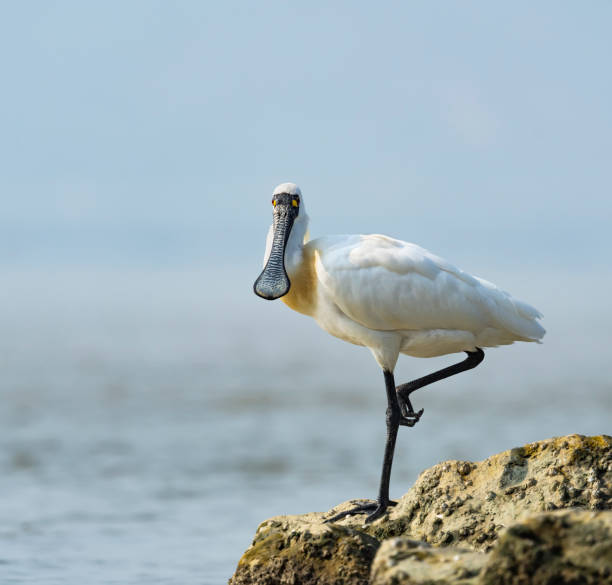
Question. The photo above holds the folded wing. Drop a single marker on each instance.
(388, 284)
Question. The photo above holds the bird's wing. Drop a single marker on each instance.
(387, 284)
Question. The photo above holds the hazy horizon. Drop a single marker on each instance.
(154, 135)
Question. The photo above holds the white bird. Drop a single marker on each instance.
(392, 297)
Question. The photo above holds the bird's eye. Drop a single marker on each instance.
(274, 202)
(294, 202)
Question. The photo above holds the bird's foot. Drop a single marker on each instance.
(374, 510)
(410, 418)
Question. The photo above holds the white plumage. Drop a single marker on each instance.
(389, 285)
(396, 297)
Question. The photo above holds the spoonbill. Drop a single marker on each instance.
(392, 297)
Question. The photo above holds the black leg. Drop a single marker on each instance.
(400, 412)
(393, 421)
(404, 391)
(393, 418)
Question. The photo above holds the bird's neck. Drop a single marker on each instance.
(300, 267)
(294, 252)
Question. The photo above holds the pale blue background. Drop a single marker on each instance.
(154, 410)
(139, 133)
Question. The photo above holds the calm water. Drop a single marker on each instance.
(148, 426)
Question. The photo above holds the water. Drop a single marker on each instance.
(149, 425)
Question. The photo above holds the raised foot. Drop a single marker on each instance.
(409, 419)
(374, 510)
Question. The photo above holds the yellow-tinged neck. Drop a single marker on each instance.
(302, 295)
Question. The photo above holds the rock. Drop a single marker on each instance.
(442, 529)
(406, 561)
(459, 502)
(564, 548)
(302, 550)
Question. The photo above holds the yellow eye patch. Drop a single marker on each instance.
(294, 202)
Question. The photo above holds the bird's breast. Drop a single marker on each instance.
(302, 295)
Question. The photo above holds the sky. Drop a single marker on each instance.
(150, 134)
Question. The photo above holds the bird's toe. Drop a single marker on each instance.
(374, 509)
(411, 418)
(362, 508)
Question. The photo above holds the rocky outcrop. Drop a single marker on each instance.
(494, 521)
(568, 547)
(406, 561)
(459, 502)
(302, 550)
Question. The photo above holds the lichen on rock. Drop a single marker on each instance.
(302, 550)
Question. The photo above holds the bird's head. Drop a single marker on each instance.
(273, 282)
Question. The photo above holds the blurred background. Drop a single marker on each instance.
(154, 410)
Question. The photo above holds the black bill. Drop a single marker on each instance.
(273, 282)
